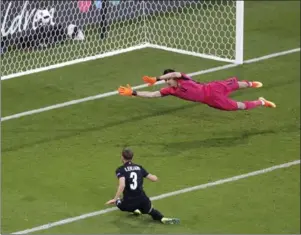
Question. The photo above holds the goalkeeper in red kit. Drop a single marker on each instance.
(214, 94)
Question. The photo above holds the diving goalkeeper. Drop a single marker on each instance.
(214, 94)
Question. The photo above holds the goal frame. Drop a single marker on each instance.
(239, 48)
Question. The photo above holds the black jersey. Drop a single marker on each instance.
(133, 175)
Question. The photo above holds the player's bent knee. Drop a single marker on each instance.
(120, 205)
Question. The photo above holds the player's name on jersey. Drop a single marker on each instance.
(132, 168)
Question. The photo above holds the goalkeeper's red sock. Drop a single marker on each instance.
(249, 83)
(253, 104)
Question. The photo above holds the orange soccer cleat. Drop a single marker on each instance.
(267, 103)
(253, 84)
(256, 84)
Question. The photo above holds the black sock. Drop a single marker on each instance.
(156, 215)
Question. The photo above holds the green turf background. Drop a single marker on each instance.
(61, 163)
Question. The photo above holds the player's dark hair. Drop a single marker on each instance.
(166, 71)
(127, 154)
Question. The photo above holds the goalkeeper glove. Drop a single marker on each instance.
(126, 91)
(150, 80)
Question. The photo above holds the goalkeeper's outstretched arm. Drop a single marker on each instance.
(152, 80)
(147, 94)
(128, 91)
(167, 76)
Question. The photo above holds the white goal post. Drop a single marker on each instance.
(41, 35)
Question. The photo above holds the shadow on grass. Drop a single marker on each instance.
(228, 141)
(73, 132)
(128, 223)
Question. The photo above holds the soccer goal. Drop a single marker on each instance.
(42, 35)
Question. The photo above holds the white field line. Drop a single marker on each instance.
(179, 51)
(103, 95)
(170, 194)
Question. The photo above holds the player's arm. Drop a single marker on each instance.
(169, 76)
(147, 94)
(121, 185)
(152, 178)
(128, 91)
(153, 80)
(120, 188)
(149, 176)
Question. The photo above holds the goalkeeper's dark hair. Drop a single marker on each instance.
(166, 71)
(127, 154)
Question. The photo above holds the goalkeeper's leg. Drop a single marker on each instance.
(249, 84)
(220, 90)
(223, 102)
(256, 103)
(229, 85)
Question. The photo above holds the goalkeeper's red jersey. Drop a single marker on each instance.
(188, 89)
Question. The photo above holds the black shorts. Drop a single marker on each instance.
(142, 203)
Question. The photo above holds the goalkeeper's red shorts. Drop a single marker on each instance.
(218, 92)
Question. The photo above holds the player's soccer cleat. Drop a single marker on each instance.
(170, 221)
(267, 103)
(137, 212)
(253, 84)
(256, 84)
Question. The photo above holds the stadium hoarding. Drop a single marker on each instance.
(21, 17)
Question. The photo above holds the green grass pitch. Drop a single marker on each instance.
(61, 163)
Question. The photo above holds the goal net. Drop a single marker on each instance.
(41, 35)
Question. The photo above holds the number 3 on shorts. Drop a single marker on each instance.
(133, 176)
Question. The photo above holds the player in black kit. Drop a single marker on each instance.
(134, 199)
